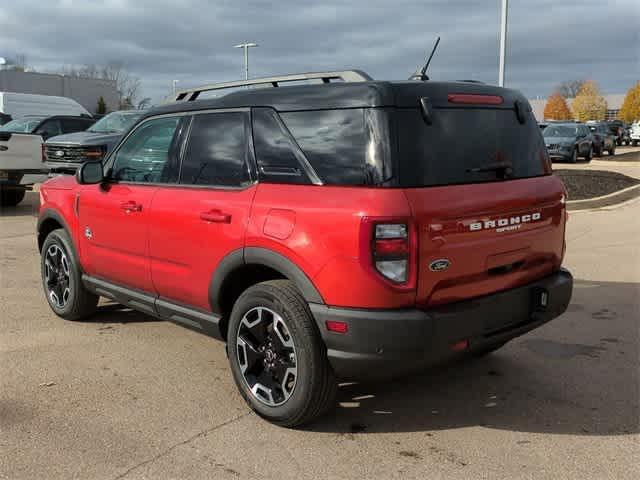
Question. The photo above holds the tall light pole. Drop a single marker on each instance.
(174, 83)
(246, 47)
(503, 41)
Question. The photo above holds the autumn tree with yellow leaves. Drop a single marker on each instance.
(557, 108)
(630, 111)
(589, 104)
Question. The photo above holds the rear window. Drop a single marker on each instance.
(462, 145)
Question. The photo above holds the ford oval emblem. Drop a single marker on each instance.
(439, 265)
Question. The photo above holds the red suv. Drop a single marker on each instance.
(356, 229)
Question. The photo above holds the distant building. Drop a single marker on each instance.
(614, 104)
(85, 91)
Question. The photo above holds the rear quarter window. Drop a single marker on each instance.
(333, 142)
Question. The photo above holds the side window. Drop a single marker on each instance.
(70, 125)
(277, 161)
(50, 128)
(216, 154)
(144, 156)
(334, 142)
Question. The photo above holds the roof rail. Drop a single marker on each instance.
(322, 77)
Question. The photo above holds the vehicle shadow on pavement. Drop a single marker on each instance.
(115, 313)
(550, 381)
(28, 207)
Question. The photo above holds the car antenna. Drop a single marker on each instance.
(421, 74)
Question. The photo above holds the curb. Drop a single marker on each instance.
(609, 200)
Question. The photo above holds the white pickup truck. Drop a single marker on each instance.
(26, 121)
(21, 155)
(635, 133)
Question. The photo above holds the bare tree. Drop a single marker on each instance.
(144, 103)
(127, 85)
(570, 88)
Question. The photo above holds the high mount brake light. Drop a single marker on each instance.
(475, 99)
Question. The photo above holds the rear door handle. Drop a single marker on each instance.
(131, 206)
(215, 216)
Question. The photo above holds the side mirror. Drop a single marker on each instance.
(90, 173)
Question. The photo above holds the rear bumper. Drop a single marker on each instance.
(384, 344)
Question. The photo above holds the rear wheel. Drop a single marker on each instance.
(10, 197)
(62, 278)
(277, 357)
(634, 143)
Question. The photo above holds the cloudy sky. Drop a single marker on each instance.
(191, 40)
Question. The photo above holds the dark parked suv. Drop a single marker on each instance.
(603, 139)
(335, 230)
(568, 141)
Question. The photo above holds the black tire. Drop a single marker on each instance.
(11, 197)
(634, 143)
(612, 150)
(488, 350)
(574, 156)
(79, 303)
(315, 386)
(589, 154)
(598, 151)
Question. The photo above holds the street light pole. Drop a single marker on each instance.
(246, 47)
(503, 41)
(174, 82)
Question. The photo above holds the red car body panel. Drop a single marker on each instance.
(190, 235)
(169, 250)
(118, 247)
(487, 260)
(324, 241)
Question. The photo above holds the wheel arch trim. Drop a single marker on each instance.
(50, 214)
(264, 257)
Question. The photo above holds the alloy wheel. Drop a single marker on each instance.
(266, 355)
(56, 272)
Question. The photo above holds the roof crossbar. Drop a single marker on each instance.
(321, 77)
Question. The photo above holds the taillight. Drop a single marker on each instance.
(390, 247)
(44, 153)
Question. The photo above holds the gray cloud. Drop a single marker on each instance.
(191, 40)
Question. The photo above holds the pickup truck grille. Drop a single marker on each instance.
(59, 153)
(553, 146)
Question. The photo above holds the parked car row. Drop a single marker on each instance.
(29, 122)
(567, 141)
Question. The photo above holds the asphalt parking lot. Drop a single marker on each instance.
(126, 396)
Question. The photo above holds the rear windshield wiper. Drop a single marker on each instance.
(503, 169)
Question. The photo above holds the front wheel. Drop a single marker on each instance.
(277, 357)
(62, 278)
(589, 154)
(612, 150)
(574, 156)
